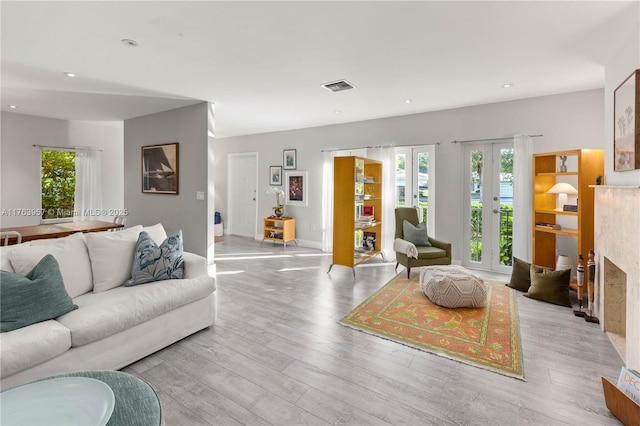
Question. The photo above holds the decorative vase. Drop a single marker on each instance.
(278, 211)
(564, 262)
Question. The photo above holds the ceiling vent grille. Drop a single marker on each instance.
(338, 86)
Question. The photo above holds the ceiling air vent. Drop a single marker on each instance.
(338, 86)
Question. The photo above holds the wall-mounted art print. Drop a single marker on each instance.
(297, 189)
(160, 169)
(626, 125)
(275, 175)
(289, 159)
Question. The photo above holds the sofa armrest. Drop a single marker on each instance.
(194, 265)
(441, 245)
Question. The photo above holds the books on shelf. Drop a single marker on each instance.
(629, 383)
(548, 225)
(364, 221)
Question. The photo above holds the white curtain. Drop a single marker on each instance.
(88, 196)
(387, 156)
(522, 194)
(327, 201)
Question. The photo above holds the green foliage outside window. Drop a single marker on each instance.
(506, 233)
(58, 173)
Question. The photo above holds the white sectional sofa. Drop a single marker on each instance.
(113, 325)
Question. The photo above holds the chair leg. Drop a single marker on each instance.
(408, 272)
(396, 269)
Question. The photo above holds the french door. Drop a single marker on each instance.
(488, 206)
(415, 182)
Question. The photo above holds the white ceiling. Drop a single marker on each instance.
(262, 63)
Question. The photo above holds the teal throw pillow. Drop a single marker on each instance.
(157, 263)
(416, 234)
(38, 296)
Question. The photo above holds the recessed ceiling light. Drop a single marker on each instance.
(408, 101)
(129, 42)
(337, 111)
(506, 86)
(12, 106)
(69, 74)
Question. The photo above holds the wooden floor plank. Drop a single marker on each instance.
(278, 356)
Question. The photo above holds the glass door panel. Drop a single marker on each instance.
(489, 212)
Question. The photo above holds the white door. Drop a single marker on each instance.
(415, 182)
(488, 201)
(242, 195)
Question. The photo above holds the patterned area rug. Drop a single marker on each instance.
(487, 337)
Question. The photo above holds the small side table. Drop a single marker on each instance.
(281, 229)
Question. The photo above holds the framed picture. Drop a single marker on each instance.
(297, 189)
(289, 159)
(626, 120)
(160, 168)
(275, 175)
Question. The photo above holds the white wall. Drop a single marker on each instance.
(567, 121)
(20, 161)
(188, 127)
(623, 61)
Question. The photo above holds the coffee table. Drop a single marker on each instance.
(135, 402)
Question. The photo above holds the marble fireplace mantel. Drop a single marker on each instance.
(617, 247)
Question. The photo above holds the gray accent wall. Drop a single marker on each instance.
(189, 127)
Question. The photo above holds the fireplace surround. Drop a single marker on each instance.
(617, 247)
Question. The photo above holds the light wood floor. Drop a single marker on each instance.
(278, 356)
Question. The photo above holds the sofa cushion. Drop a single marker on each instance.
(111, 255)
(71, 254)
(416, 234)
(430, 252)
(35, 297)
(5, 264)
(32, 345)
(107, 313)
(157, 263)
(156, 232)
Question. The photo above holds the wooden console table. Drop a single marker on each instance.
(59, 230)
(281, 229)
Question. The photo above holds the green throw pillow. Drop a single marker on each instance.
(550, 286)
(38, 296)
(520, 275)
(415, 234)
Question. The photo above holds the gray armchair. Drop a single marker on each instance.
(438, 254)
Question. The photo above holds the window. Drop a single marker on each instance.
(58, 183)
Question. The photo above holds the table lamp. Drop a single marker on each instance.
(562, 189)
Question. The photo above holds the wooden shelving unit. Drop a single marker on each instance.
(584, 166)
(357, 187)
(279, 229)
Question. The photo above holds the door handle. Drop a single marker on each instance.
(496, 211)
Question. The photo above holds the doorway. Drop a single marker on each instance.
(241, 199)
(415, 182)
(488, 206)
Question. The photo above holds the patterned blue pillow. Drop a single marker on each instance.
(156, 263)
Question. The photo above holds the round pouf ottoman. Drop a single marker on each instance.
(453, 286)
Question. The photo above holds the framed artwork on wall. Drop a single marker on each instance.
(160, 169)
(275, 175)
(626, 123)
(297, 186)
(289, 159)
